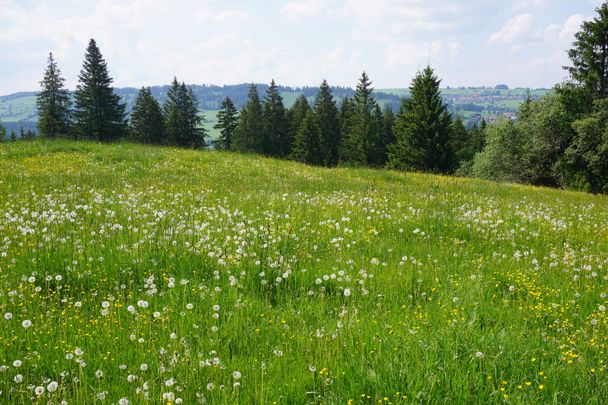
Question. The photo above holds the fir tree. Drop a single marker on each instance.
(53, 103)
(423, 128)
(383, 122)
(13, 136)
(346, 118)
(99, 113)
(462, 143)
(296, 115)
(249, 133)
(183, 122)
(478, 136)
(307, 144)
(2, 132)
(326, 113)
(589, 55)
(358, 144)
(147, 124)
(227, 121)
(276, 131)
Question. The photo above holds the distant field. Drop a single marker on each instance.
(173, 276)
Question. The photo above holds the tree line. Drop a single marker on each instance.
(423, 135)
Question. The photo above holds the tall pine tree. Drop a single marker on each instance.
(296, 115)
(423, 128)
(147, 124)
(326, 113)
(99, 113)
(358, 143)
(2, 132)
(183, 122)
(249, 134)
(276, 129)
(53, 103)
(307, 144)
(227, 121)
(589, 55)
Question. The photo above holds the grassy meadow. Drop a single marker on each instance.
(133, 274)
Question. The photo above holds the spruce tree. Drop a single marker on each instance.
(2, 132)
(296, 115)
(307, 144)
(382, 135)
(147, 124)
(326, 113)
(462, 143)
(276, 130)
(249, 133)
(359, 143)
(346, 118)
(13, 136)
(227, 121)
(99, 114)
(53, 103)
(423, 128)
(589, 55)
(183, 122)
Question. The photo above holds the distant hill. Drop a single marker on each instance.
(18, 110)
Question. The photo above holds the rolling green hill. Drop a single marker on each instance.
(177, 276)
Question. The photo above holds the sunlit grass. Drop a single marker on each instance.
(170, 276)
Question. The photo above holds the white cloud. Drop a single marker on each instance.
(299, 10)
(418, 53)
(515, 28)
(524, 4)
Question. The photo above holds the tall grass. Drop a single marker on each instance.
(169, 276)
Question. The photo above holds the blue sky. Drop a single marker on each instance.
(296, 42)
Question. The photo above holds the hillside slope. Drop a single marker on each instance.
(136, 272)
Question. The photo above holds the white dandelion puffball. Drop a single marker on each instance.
(26, 324)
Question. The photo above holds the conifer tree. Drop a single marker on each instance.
(297, 114)
(99, 114)
(13, 136)
(589, 55)
(183, 122)
(346, 118)
(2, 132)
(358, 144)
(249, 133)
(326, 113)
(227, 121)
(147, 124)
(382, 135)
(53, 103)
(276, 129)
(462, 144)
(307, 144)
(423, 128)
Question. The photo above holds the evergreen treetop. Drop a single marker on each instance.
(53, 103)
(147, 124)
(227, 121)
(326, 113)
(99, 113)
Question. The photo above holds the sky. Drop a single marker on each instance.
(521, 43)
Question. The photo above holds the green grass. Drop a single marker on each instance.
(332, 285)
